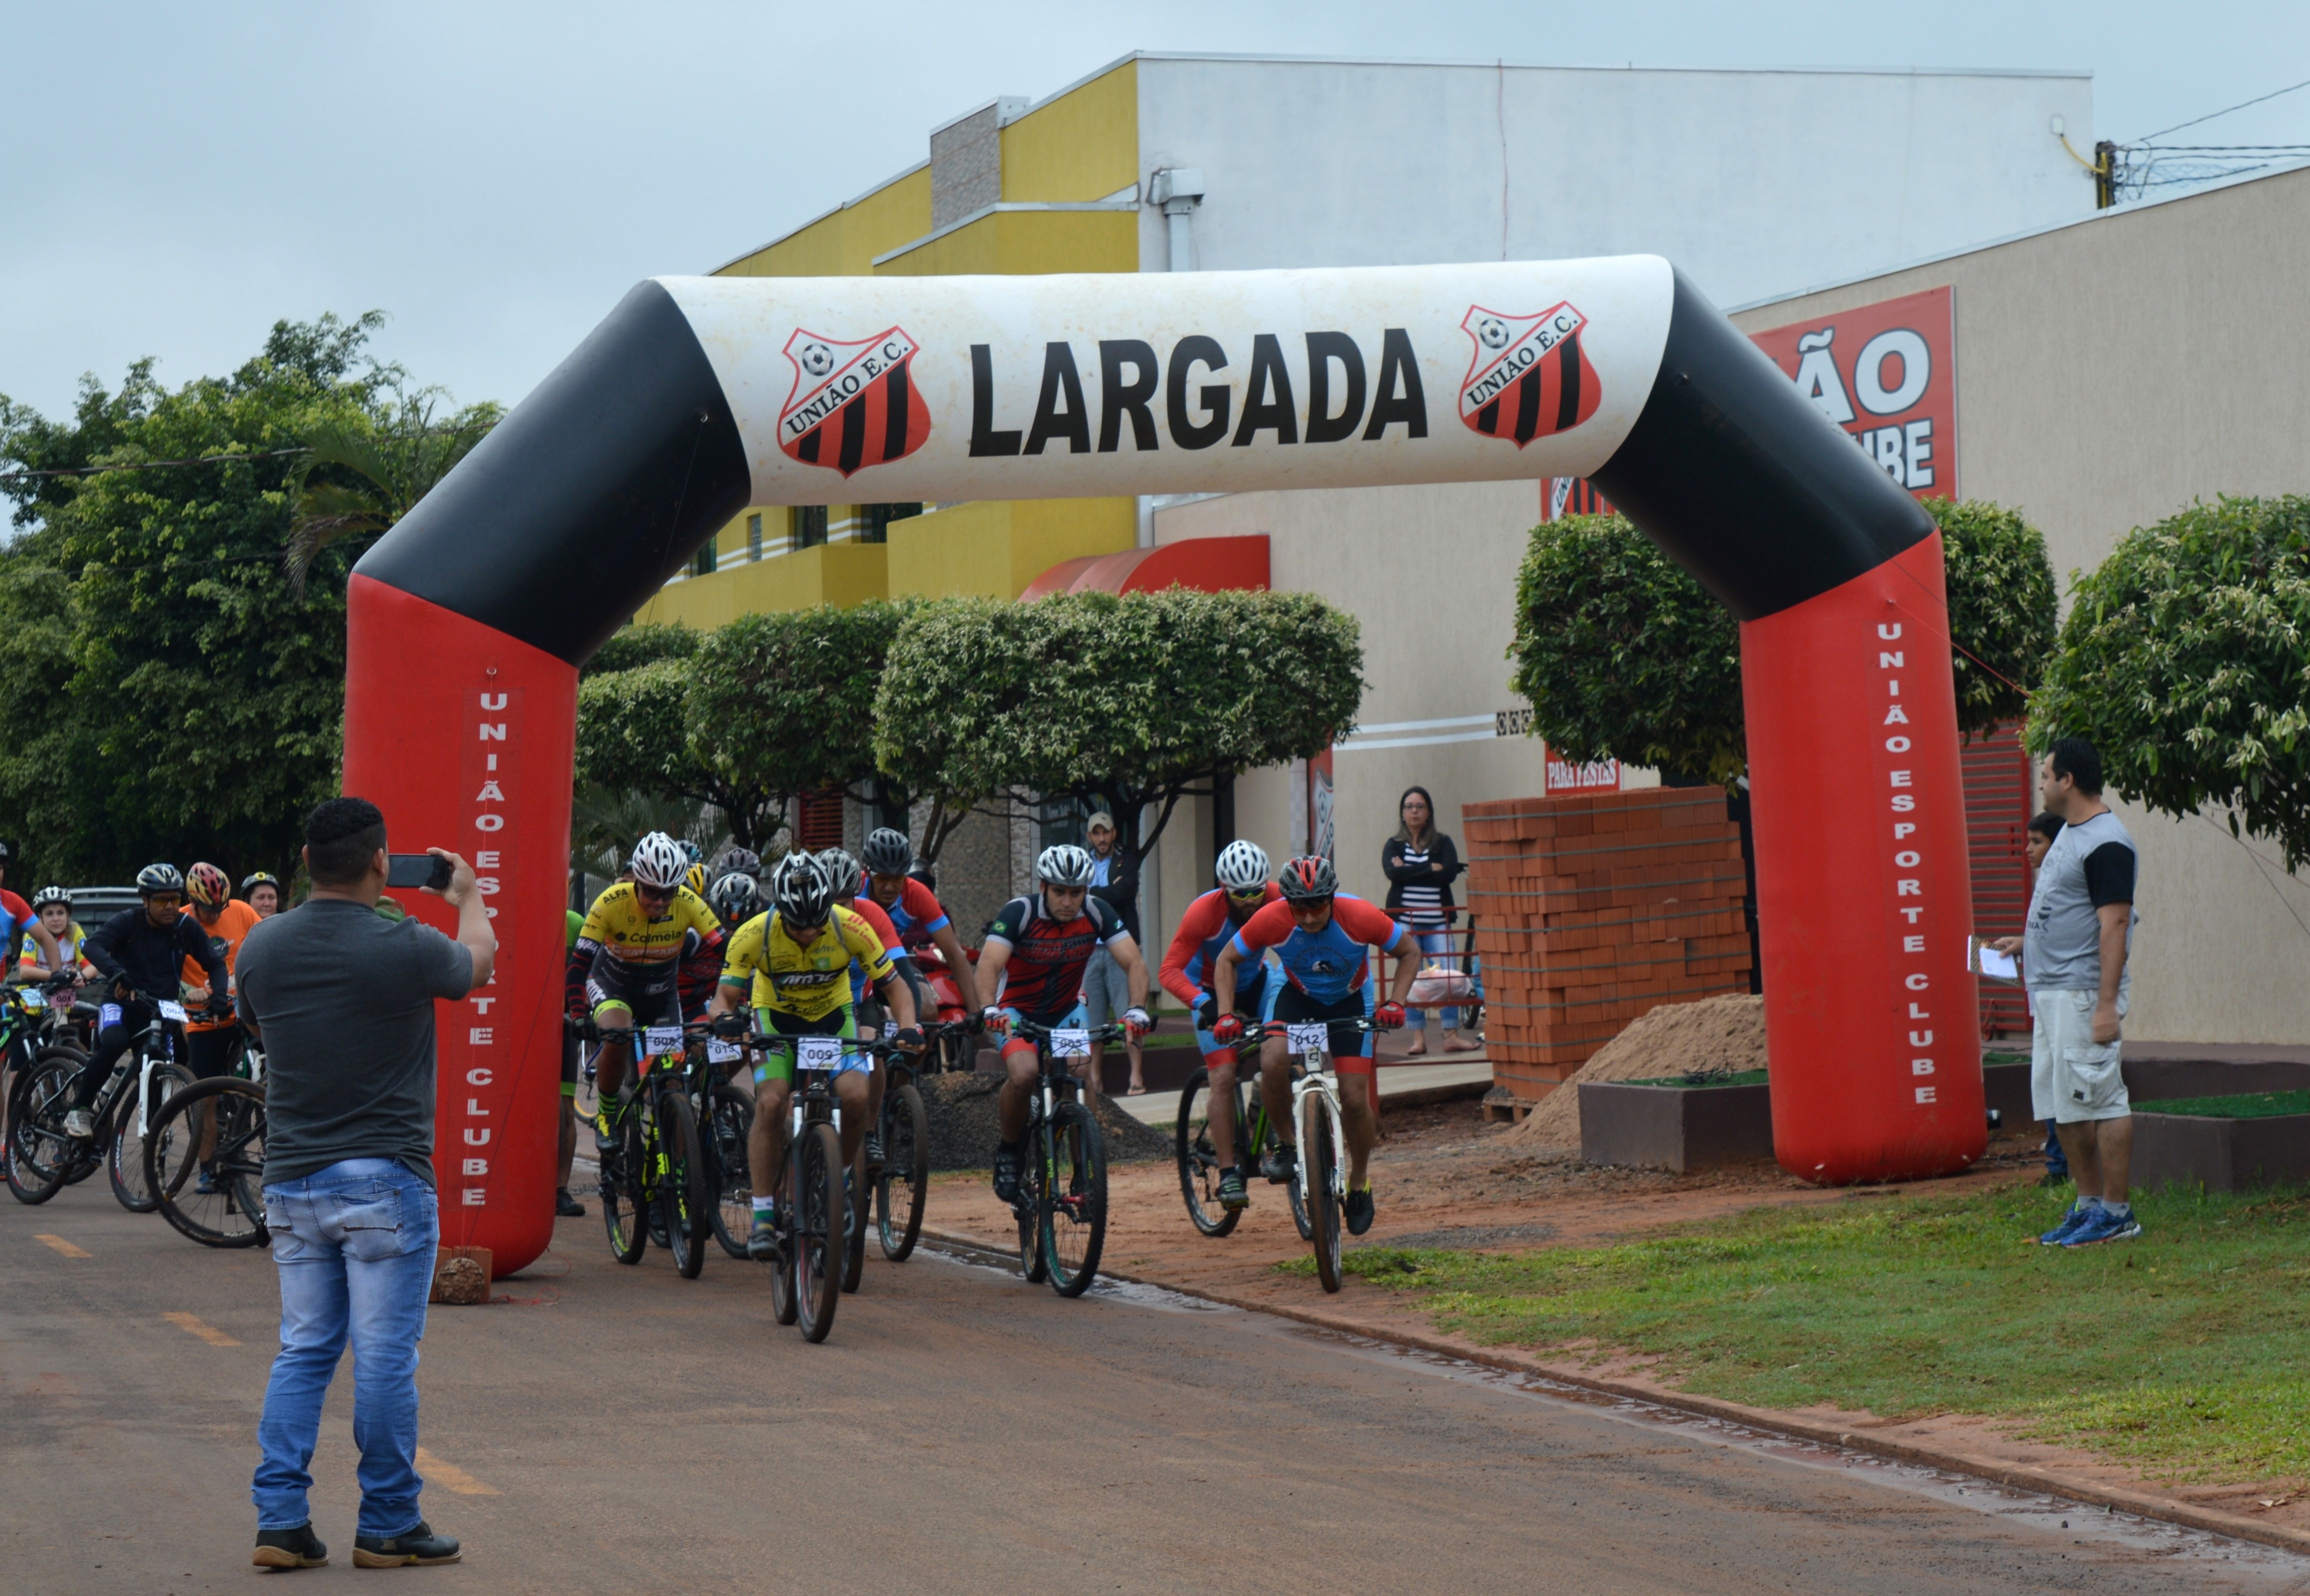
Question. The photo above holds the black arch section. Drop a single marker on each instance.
(1748, 486)
(594, 491)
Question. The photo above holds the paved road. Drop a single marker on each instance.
(620, 1429)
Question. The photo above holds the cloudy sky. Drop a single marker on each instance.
(494, 174)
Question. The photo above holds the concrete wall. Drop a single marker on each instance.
(1752, 181)
(2108, 373)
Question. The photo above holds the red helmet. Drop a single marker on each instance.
(205, 883)
(1308, 878)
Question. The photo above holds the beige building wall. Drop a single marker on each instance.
(2108, 373)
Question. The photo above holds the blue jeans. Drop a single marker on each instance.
(1436, 944)
(355, 1244)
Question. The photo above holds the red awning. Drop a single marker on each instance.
(1207, 565)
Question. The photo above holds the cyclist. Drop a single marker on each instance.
(847, 878)
(915, 911)
(224, 920)
(17, 919)
(628, 966)
(792, 966)
(1319, 934)
(1204, 929)
(1041, 942)
(52, 912)
(260, 890)
(743, 861)
(142, 952)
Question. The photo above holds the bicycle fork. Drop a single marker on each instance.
(1318, 1083)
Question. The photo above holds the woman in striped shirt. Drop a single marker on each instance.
(1422, 864)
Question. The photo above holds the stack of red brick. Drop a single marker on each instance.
(1589, 910)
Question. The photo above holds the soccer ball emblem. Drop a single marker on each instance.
(817, 358)
(1493, 333)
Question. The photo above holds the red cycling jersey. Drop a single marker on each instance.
(1203, 930)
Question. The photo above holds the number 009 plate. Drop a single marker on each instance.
(818, 1053)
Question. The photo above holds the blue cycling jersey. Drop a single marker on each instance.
(1331, 964)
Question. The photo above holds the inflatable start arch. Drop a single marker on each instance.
(701, 396)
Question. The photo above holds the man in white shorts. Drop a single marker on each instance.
(2073, 955)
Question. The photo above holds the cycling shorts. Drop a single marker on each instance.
(1351, 1049)
(651, 999)
(1255, 1010)
(777, 1061)
(1015, 1043)
(568, 1063)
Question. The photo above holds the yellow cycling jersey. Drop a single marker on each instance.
(807, 983)
(617, 926)
(69, 944)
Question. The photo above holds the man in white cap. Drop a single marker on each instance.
(1107, 992)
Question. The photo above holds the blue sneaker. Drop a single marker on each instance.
(2102, 1224)
(2071, 1221)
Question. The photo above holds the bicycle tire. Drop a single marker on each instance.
(1198, 1160)
(906, 1147)
(1319, 1159)
(681, 1195)
(728, 1174)
(623, 1218)
(1075, 1211)
(817, 1261)
(1029, 1208)
(39, 1153)
(124, 1157)
(232, 1213)
(856, 1200)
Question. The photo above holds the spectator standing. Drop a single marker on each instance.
(344, 1000)
(1107, 989)
(2073, 952)
(2043, 826)
(1422, 864)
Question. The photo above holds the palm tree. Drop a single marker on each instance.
(361, 474)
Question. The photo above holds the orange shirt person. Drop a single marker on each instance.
(211, 1043)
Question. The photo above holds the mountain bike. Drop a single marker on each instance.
(815, 1229)
(217, 1197)
(1198, 1160)
(903, 1181)
(656, 1168)
(42, 1158)
(28, 1029)
(1062, 1203)
(724, 1116)
(1319, 1174)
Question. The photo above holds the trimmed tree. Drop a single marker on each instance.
(2185, 661)
(1623, 656)
(633, 737)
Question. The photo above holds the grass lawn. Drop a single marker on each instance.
(2184, 1352)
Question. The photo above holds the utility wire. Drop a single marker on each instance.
(2225, 111)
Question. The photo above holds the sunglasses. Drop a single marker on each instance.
(167, 900)
(1247, 894)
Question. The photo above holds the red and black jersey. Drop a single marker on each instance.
(1045, 974)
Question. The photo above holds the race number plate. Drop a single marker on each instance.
(172, 1011)
(1071, 1044)
(661, 1038)
(719, 1052)
(1308, 1038)
(58, 1000)
(818, 1053)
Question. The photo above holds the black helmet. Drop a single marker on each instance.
(799, 891)
(744, 861)
(736, 897)
(48, 895)
(888, 852)
(842, 872)
(160, 878)
(258, 878)
(1309, 878)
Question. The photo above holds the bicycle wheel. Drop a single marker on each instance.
(902, 1188)
(728, 1176)
(622, 1207)
(1074, 1216)
(1033, 1262)
(587, 1099)
(818, 1240)
(854, 1202)
(1319, 1160)
(39, 1155)
(124, 1159)
(205, 1162)
(1198, 1158)
(681, 1195)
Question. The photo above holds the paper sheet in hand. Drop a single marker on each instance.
(1998, 966)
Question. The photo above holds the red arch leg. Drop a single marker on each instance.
(464, 737)
(1864, 898)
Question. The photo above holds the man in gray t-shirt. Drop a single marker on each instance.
(342, 1000)
(2073, 955)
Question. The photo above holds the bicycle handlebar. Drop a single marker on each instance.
(1044, 1033)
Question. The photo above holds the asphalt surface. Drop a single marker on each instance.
(622, 1429)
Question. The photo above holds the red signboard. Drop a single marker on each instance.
(1886, 373)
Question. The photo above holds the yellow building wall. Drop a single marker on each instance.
(1025, 243)
(845, 243)
(993, 549)
(842, 574)
(1083, 145)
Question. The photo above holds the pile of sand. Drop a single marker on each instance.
(1720, 1033)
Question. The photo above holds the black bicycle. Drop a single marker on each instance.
(815, 1229)
(725, 1116)
(654, 1182)
(902, 1182)
(1062, 1202)
(1255, 1133)
(43, 1157)
(205, 1162)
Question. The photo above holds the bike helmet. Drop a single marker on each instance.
(1242, 866)
(695, 880)
(736, 897)
(206, 884)
(691, 851)
(48, 895)
(1065, 865)
(1308, 879)
(744, 861)
(159, 878)
(658, 860)
(799, 891)
(888, 852)
(258, 878)
(842, 872)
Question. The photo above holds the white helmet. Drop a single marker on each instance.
(1065, 865)
(658, 861)
(1242, 866)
